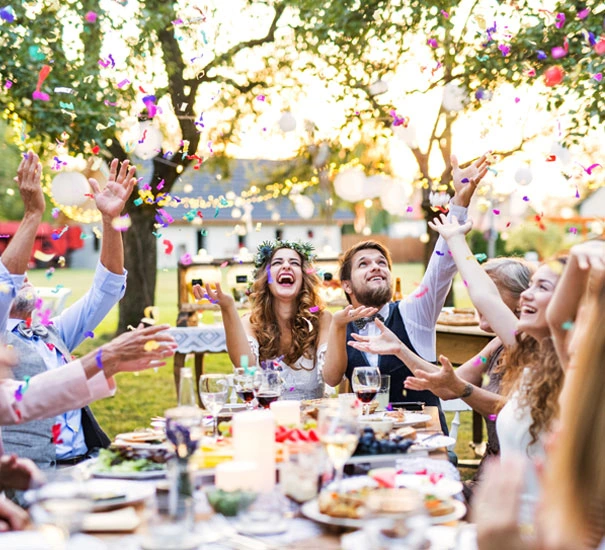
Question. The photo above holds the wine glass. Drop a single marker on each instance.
(243, 382)
(214, 389)
(366, 384)
(268, 386)
(338, 431)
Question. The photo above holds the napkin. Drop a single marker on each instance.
(125, 519)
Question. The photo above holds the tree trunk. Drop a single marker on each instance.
(140, 260)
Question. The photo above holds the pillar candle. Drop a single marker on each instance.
(286, 413)
(235, 475)
(254, 441)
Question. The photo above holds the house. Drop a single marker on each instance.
(223, 232)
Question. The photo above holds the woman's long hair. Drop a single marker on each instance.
(539, 389)
(574, 503)
(305, 324)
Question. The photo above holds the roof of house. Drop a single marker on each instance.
(243, 173)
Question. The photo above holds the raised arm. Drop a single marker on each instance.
(110, 202)
(585, 259)
(336, 356)
(447, 384)
(482, 290)
(235, 333)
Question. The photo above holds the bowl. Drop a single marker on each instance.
(379, 425)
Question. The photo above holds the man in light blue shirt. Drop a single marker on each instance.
(48, 346)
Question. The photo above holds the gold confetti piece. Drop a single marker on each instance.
(4, 289)
(61, 261)
(43, 256)
(97, 232)
(151, 345)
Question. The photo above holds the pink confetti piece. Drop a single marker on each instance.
(432, 42)
(583, 14)
(225, 263)
(123, 83)
(496, 211)
(517, 99)
(186, 259)
(560, 20)
(314, 309)
(598, 77)
(421, 292)
(445, 14)
(573, 230)
(8, 84)
(492, 417)
(260, 98)
(409, 209)
(161, 185)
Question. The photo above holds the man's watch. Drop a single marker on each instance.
(468, 389)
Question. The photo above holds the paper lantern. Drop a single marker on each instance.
(287, 122)
(348, 184)
(304, 206)
(70, 188)
(395, 196)
(372, 187)
(454, 97)
(378, 87)
(406, 134)
(553, 75)
(523, 175)
(149, 141)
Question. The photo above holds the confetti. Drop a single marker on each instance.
(492, 417)
(56, 289)
(573, 230)
(42, 256)
(121, 223)
(567, 325)
(422, 291)
(186, 259)
(480, 257)
(496, 211)
(168, 246)
(7, 14)
(439, 253)
(50, 272)
(314, 309)
(269, 278)
(151, 345)
(44, 72)
(123, 83)
(56, 432)
(260, 98)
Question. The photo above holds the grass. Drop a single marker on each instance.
(143, 395)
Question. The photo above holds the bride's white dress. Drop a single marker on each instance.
(305, 381)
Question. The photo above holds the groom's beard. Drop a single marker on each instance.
(372, 297)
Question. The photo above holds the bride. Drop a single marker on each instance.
(288, 323)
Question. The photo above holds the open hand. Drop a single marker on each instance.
(216, 295)
(12, 517)
(385, 343)
(28, 179)
(349, 313)
(465, 180)
(112, 199)
(448, 229)
(445, 383)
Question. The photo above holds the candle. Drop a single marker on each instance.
(287, 413)
(235, 475)
(254, 441)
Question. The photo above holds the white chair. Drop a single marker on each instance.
(54, 298)
(456, 406)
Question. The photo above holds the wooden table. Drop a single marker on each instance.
(459, 344)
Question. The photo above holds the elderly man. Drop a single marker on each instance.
(366, 278)
(42, 347)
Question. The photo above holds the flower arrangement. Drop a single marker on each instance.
(267, 248)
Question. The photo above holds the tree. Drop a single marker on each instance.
(76, 79)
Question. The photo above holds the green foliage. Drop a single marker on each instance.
(529, 236)
(477, 242)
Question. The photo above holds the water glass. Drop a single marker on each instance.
(214, 389)
(300, 471)
(384, 391)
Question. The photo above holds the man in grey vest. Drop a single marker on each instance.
(70, 437)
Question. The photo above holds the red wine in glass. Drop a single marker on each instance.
(245, 395)
(265, 399)
(366, 395)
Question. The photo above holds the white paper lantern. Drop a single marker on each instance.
(454, 97)
(523, 175)
(373, 186)
(395, 197)
(563, 155)
(304, 206)
(149, 141)
(407, 135)
(287, 122)
(70, 188)
(348, 184)
(378, 87)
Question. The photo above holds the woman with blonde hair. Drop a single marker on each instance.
(288, 323)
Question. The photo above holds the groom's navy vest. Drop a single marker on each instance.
(34, 439)
(389, 364)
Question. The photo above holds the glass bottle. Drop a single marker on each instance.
(186, 388)
(398, 294)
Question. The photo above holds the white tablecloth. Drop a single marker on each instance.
(203, 338)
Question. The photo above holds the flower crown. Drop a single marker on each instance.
(267, 248)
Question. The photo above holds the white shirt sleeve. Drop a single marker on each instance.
(421, 309)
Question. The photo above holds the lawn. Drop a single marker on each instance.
(149, 393)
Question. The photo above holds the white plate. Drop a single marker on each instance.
(152, 474)
(435, 442)
(443, 488)
(311, 511)
(133, 492)
(411, 418)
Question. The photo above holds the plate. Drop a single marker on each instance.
(311, 511)
(140, 476)
(411, 418)
(131, 493)
(435, 442)
(146, 436)
(443, 488)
